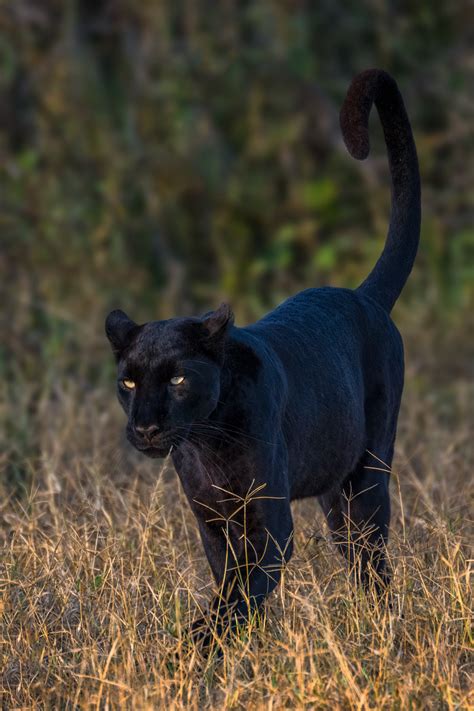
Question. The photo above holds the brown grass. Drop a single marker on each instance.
(102, 570)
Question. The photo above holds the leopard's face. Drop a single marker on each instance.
(168, 375)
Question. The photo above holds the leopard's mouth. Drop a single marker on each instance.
(156, 448)
(155, 452)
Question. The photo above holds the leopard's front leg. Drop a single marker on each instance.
(246, 529)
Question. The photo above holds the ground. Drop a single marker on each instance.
(102, 570)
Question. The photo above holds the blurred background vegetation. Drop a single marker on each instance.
(163, 156)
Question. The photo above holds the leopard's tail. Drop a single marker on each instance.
(388, 277)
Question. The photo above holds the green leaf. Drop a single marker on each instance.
(319, 194)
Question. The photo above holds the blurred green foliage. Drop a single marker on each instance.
(162, 156)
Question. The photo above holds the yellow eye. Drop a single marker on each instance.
(128, 384)
(177, 380)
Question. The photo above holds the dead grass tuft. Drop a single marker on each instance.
(102, 571)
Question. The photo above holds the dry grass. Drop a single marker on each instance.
(102, 570)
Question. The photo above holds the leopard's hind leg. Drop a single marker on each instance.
(358, 515)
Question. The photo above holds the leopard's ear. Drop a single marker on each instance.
(218, 322)
(119, 329)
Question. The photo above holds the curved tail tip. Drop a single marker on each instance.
(354, 116)
(356, 139)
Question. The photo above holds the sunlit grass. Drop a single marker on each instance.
(102, 571)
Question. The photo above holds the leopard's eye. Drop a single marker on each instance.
(177, 380)
(128, 384)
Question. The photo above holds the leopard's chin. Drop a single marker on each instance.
(156, 452)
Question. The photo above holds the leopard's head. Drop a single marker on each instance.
(168, 374)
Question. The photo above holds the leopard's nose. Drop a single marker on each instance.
(148, 432)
